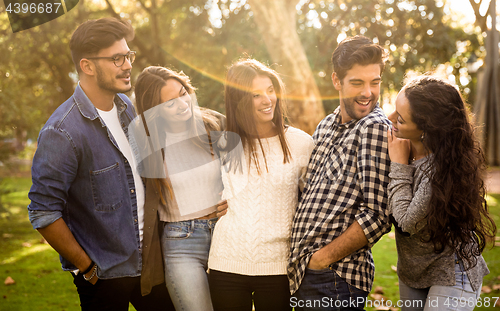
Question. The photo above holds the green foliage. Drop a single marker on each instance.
(35, 74)
(35, 78)
(203, 37)
(416, 33)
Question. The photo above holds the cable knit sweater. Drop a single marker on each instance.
(253, 238)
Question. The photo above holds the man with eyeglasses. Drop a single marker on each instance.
(87, 198)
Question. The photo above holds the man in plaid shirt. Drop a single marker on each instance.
(343, 208)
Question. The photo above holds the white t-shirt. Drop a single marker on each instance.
(113, 123)
(195, 177)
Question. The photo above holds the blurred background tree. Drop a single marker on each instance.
(487, 100)
(203, 37)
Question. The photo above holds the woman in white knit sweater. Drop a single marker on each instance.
(250, 246)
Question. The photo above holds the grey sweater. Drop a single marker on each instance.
(418, 265)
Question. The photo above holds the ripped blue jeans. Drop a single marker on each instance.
(459, 297)
(186, 245)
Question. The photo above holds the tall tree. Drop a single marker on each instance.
(481, 19)
(487, 105)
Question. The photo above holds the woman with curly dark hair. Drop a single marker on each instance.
(437, 198)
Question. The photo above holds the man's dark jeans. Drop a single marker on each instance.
(115, 294)
(325, 290)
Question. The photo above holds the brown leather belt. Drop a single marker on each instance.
(209, 216)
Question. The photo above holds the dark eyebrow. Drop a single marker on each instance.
(171, 99)
(361, 81)
(400, 116)
(256, 91)
(119, 54)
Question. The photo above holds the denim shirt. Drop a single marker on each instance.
(79, 174)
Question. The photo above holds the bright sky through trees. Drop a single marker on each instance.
(463, 7)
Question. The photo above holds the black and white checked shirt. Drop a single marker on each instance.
(347, 180)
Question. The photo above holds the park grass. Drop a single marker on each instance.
(31, 263)
(42, 285)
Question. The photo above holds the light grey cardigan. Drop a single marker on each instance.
(418, 265)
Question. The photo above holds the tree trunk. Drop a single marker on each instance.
(480, 20)
(276, 22)
(487, 105)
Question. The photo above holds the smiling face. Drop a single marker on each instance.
(402, 123)
(264, 101)
(109, 77)
(359, 91)
(176, 105)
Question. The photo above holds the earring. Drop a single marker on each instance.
(422, 136)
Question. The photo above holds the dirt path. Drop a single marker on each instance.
(493, 180)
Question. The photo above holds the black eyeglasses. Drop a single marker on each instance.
(119, 59)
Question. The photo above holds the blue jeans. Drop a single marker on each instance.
(459, 297)
(186, 245)
(325, 290)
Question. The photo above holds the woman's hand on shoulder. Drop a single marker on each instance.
(399, 149)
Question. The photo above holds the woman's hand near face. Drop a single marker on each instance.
(399, 149)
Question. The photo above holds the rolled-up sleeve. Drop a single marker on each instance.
(41, 219)
(53, 171)
(373, 167)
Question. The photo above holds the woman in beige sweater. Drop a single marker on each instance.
(250, 246)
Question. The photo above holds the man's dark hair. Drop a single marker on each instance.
(94, 35)
(357, 50)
